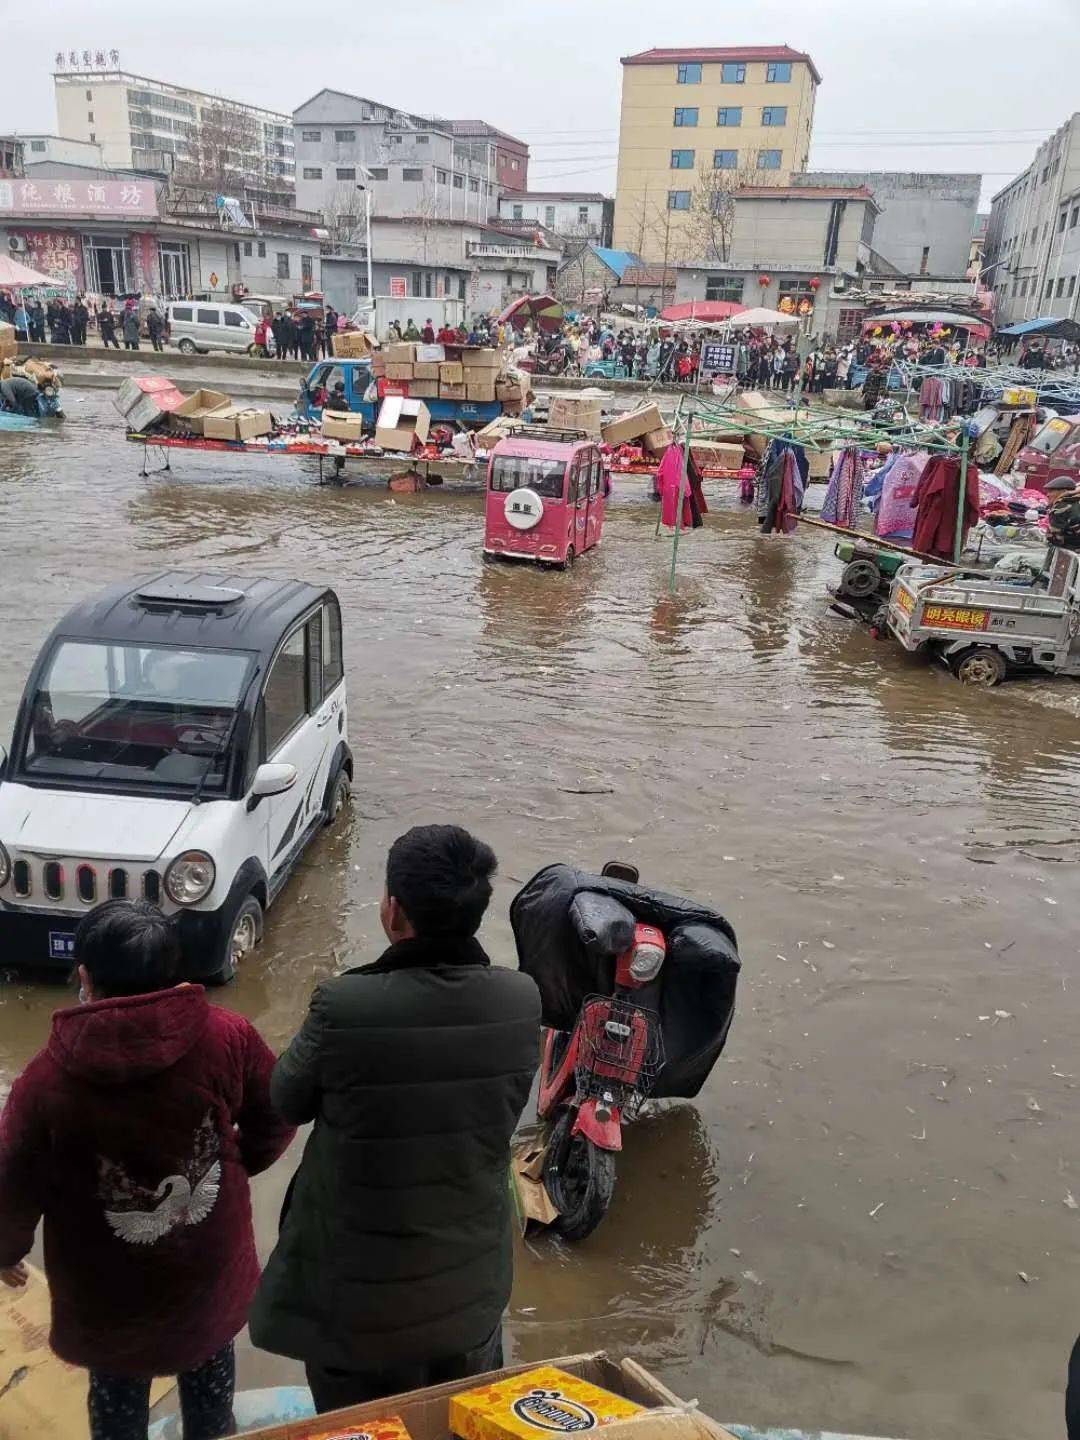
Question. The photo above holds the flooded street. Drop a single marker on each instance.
(834, 1233)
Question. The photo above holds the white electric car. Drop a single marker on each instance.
(181, 738)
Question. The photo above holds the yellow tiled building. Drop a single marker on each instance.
(688, 113)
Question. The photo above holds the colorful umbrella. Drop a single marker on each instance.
(543, 310)
(15, 275)
(703, 310)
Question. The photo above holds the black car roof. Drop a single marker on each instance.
(194, 609)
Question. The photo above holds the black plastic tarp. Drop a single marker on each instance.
(698, 979)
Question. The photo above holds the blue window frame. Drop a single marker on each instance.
(686, 115)
(778, 72)
(725, 159)
(768, 160)
(729, 115)
(733, 74)
(682, 159)
(774, 115)
(678, 199)
(689, 74)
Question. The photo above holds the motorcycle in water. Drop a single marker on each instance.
(638, 993)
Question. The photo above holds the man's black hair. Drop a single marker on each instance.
(128, 947)
(440, 875)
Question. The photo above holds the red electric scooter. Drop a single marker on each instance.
(594, 1079)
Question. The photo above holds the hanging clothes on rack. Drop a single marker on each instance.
(843, 498)
(669, 479)
(777, 447)
(936, 498)
(933, 398)
(783, 492)
(894, 515)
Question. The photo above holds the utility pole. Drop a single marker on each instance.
(641, 246)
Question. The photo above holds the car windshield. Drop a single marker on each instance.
(134, 714)
(1050, 436)
(512, 472)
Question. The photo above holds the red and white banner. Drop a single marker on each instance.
(56, 253)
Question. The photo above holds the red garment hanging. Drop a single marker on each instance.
(935, 502)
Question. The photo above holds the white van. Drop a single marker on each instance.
(181, 739)
(200, 326)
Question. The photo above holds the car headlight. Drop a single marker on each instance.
(190, 877)
(5, 866)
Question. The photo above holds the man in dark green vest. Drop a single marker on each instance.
(394, 1263)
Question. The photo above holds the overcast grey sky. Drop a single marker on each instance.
(968, 85)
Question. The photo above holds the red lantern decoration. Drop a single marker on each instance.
(815, 283)
(763, 280)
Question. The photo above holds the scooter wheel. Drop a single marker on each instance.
(579, 1179)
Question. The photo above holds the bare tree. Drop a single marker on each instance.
(343, 212)
(710, 228)
(225, 149)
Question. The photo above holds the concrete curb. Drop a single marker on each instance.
(248, 364)
(243, 389)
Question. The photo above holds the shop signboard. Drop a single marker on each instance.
(95, 198)
(397, 287)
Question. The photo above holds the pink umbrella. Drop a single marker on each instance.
(16, 276)
(705, 310)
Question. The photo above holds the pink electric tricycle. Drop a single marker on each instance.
(545, 497)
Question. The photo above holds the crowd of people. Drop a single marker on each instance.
(58, 322)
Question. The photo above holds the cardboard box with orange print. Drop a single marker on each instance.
(385, 1427)
(544, 1401)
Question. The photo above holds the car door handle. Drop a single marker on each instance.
(321, 720)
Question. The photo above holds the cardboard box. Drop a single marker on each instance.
(397, 370)
(237, 423)
(483, 392)
(576, 412)
(352, 344)
(401, 423)
(378, 364)
(452, 372)
(633, 426)
(7, 330)
(541, 1400)
(481, 359)
(382, 1427)
(716, 455)
(820, 463)
(191, 414)
(424, 389)
(477, 375)
(147, 401)
(430, 355)
(8, 349)
(384, 387)
(425, 369)
(342, 425)
(510, 389)
(403, 353)
(452, 392)
(424, 1412)
(657, 441)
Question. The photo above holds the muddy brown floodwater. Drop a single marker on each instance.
(834, 1233)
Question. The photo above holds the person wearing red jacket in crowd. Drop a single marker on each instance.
(446, 336)
(133, 1134)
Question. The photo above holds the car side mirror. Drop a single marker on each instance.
(271, 780)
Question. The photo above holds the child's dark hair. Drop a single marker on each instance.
(128, 948)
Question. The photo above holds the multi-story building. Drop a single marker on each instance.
(925, 221)
(56, 149)
(698, 119)
(151, 124)
(511, 155)
(581, 215)
(1030, 240)
(413, 165)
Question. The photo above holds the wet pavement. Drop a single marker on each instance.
(834, 1233)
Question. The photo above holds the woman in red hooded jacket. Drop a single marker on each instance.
(133, 1134)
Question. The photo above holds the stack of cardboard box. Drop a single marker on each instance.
(645, 425)
(481, 368)
(147, 401)
(352, 344)
(191, 415)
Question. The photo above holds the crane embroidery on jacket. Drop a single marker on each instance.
(142, 1216)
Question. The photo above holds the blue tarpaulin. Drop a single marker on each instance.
(1053, 327)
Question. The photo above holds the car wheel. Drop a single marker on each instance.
(238, 943)
(340, 796)
(186, 347)
(980, 667)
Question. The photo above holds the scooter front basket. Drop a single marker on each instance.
(620, 1048)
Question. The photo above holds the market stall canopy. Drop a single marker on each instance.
(704, 310)
(1049, 327)
(959, 318)
(17, 276)
(544, 310)
(760, 315)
